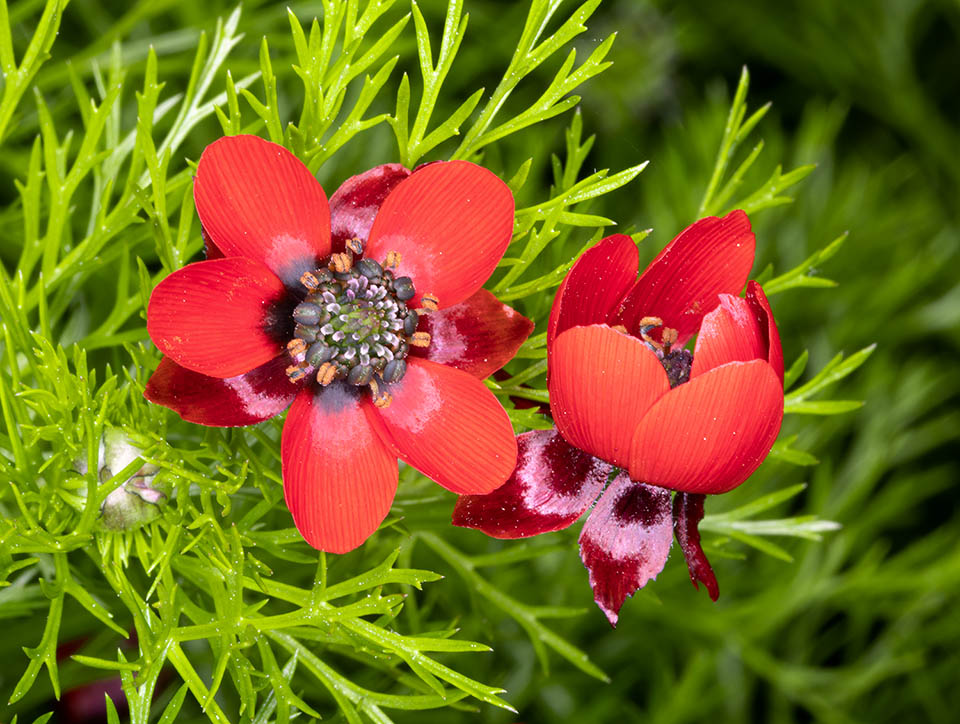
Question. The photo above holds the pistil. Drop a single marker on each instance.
(354, 324)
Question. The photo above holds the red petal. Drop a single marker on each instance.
(212, 317)
(625, 541)
(451, 223)
(594, 285)
(450, 427)
(553, 485)
(601, 384)
(687, 514)
(761, 308)
(730, 333)
(710, 257)
(246, 399)
(355, 204)
(709, 434)
(339, 478)
(256, 199)
(479, 335)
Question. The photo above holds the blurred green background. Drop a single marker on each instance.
(861, 627)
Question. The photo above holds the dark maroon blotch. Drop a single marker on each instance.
(687, 514)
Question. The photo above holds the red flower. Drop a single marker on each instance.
(629, 400)
(365, 313)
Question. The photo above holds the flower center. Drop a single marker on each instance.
(678, 362)
(354, 323)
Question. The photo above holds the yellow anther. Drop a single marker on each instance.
(296, 347)
(381, 398)
(393, 260)
(668, 336)
(429, 302)
(309, 281)
(620, 328)
(420, 339)
(341, 262)
(355, 245)
(651, 322)
(296, 372)
(326, 373)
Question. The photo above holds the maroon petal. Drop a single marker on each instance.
(687, 514)
(625, 541)
(553, 485)
(355, 204)
(479, 335)
(594, 285)
(246, 399)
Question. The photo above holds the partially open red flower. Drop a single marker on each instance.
(366, 313)
(631, 404)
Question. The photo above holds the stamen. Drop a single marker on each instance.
(295, 373)
(309, 280)
(420, 339)
(381, 398)
(620, 328)
(393, 260)
(341, 263)
(354, 324)
(296, 347)
(327, 373)
(430, 302)
(668, 337)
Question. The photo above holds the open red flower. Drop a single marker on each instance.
(366, 313)
(631, 404)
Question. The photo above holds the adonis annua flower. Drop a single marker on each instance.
(637, 414)
(365, 315)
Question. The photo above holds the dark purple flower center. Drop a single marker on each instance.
(677, 362)
(355, 325)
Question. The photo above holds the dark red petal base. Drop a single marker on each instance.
(625, 541)
(354, 205)
(687, 514)
(479, 335)
(246, 399)
(553, 485)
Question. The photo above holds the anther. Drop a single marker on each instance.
(355, 245)
(327, 373)
(429, 302)
(309, 280)
(393, 259)
(420, 339)
(620, 328)
(295, 373)
(296, 347)
(651, 322)
(668, 337)
(381, 398)
(341, 263)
